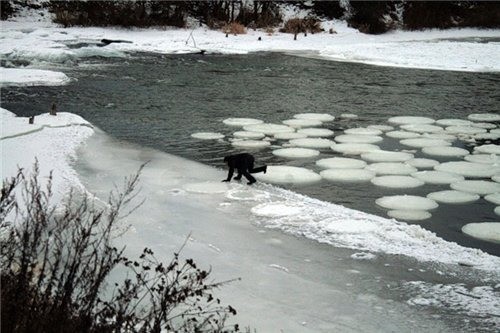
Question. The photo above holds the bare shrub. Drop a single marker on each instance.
(56, 262)
(298, 25)
(234, 28)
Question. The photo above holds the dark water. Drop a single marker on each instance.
(158, 101)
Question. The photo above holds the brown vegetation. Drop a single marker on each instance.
(298, 25)
(234, 28)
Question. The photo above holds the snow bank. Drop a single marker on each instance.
(31, 77)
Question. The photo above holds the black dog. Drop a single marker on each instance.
(244, 164)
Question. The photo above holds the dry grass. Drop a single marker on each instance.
(234, 28)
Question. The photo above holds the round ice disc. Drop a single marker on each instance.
(268, 129)
(297, 123)
(353, 138)
(424, 142)
(315, 132)
(347, 175)
(391, 168)
(397, 181)
(487, 231)
(484, 117)
(493, 198)
(293, 153)
(488, 149)
(340, 163)
(422, 128)
(483, 158)
(437, 177)
(496, 178)
(363, 131)
(207, 135)
(312, 143)
(281, 174)
(466, 130)
(441, 136)
(468, 169)
(497, 210)
(315, 116)
(481, 187)
(289, 136)
(402, 135)
(453, 197)
(248, 135)
(409, 215)
(383, 128)
(406, 202)
(403, 120)
(386, 156)
(453, 122)
(484, 125)
(354, 148)
(251, 144)
(422, 163)
(348, 116)
(240, 122)
(445, 151)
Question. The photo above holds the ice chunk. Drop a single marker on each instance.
(256, 144)
(297, 123)
(484, 117)
(347, 175)
(403, 120)
(348, 116)
(406, 202)
(484, 125)
(453, 197)
(422, 163)
(391, 168)
(383, 128)
(268, 129)
(207, 187)
(424, 142)
(295, 153)
(488, 149)
(363, 131)
(240, 122)
(340, 163)
(487, 231)
(437, 177)
(481, 187)
(312, 143)
(453, 122)
(353, 138)
(315, 116)
(493, 198)
(289, 136)
(409, 215)
(483, 158)
(315, 132)
(468, 169)
(288, 175)
(497, 210)
(363, 256)
(466, 130)
(422, 128)
(248, 135)
(31, 77)
(402, 135)
(445, 151)
(276, 209)
(207, 135)
(354, 148)
(386, 156)
(247, 194)
(397, 182)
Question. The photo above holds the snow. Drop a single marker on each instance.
(406, 202)
(481, 187)
(240, 122)
(207, 135)
(354, 138)
(347, 175)
(315, 132)
(404, 120)
(437, 177)
(277, 174)
(397, 182)
(453, 197)
(293, 153)
(207, 187)
(276, 209)
(409, 215)
(488, 231)
(340, 163)
(31, 77)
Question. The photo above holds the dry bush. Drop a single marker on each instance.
(234, 28)
(269, 31)
(298, 25)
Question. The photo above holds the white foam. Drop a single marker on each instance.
(241, 122)
(464, 130)
(422, 163)
(383, 128)
(403, 120)
(397, 182)
(297, 123)
(207, 187)
(324, 117)
(276, 209)
(481, 187)
(315, 132)
(312, 143)
(295, 153)
(488, 149)
(453, 197)
(353, 138)
(281, 174)
(468, 169)
(445, 151)
(340, 163)
(363, 131)
(484, 125)
(453, 122)
(247, 194)
(484, 117)
(422, 128)
(248, 135)
(31, 77)
(354, 148)
(268, 129)
(391, 168)
(207, 135)
(347, 175)
(402, 135)
(348, 116)
(483, 158)
(406, 202)
(424, 142)
(487, 231)
(493, 198)
(409, 215)
(289, 136)
(386, 156)
(437, 177)
(256, 144)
